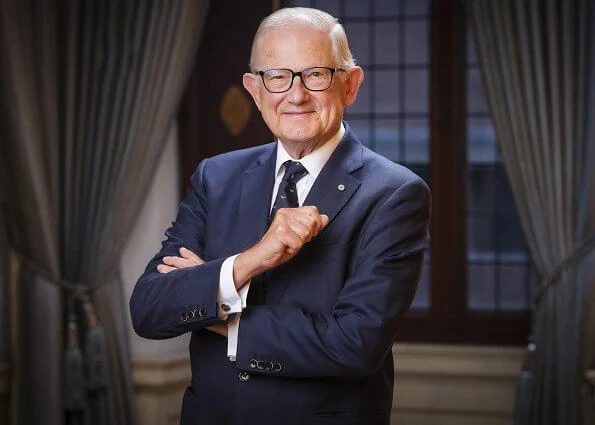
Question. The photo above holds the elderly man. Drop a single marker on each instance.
(291, 263)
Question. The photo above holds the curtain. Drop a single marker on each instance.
(587, 357)
(538, 65)
(88, 91)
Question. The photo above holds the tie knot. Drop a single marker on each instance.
(294, 171)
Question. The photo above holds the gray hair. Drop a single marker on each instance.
(310, 18)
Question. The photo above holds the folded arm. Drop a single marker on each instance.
(165, 305)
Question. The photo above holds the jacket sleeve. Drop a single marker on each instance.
(354, 337)
(165, 305)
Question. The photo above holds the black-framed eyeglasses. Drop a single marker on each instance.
(280, 80)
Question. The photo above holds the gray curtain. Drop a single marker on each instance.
(538, 64)
(587, 359)
(88, 90)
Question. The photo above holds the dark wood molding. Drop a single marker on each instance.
(448, 166)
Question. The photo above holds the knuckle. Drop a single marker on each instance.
(282, 229)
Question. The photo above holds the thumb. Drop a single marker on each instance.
(325, 220)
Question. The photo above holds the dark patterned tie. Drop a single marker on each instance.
(286, 198)
(287, 193)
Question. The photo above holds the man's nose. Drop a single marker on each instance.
(298, 91)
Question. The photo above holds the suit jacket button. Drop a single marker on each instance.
(193, 314)
(184, 317)
(261, 364)
(202, 312)
(253, 363)
(270, 366)
(244, 376)
(277, 367)
(225, 307)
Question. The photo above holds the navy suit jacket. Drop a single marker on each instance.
(318, 350)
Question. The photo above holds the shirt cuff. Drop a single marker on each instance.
(233, 327)
(228, 299)
(230, 303)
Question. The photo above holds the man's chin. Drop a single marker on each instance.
(298, 133)
(298, 139)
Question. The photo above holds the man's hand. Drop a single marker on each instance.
(290, 230)
(188, 258)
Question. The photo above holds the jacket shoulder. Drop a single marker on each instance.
(383, 169)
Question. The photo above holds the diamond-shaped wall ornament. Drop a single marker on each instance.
(235, 110)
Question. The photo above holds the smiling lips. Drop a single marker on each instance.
(298, 113)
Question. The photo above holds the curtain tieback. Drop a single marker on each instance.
(78, 290)
(87, 372)
(569, 262)
(552, 278)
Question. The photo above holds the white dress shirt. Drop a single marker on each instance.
(229, 299)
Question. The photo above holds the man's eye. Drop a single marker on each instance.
(316, 74)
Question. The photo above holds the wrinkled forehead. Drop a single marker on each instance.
(295, 48)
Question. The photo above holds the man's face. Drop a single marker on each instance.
(300, 116)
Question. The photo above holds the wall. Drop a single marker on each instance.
(458, 385)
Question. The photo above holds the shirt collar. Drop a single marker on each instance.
(315, 160)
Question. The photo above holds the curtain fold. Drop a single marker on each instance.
(538, 63)
(88, 92)
(587, 356)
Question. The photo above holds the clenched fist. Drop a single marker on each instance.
(290, 230)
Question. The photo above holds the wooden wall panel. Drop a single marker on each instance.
(222, 58)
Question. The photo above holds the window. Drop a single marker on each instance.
(422, 105)
(498, 267)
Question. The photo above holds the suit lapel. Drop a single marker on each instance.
(335, 185)
(255, 198)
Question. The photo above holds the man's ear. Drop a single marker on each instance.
(355, 78)
(251, 84)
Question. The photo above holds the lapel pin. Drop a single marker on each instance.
(341, 187)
